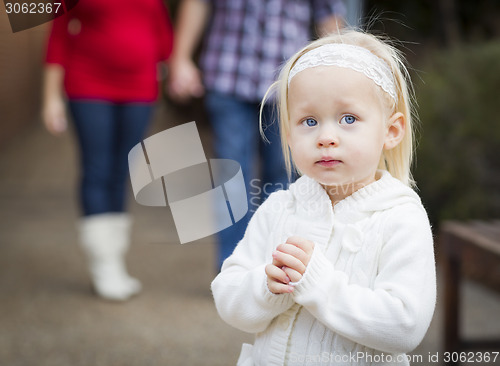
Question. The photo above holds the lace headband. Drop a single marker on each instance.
(348, 56)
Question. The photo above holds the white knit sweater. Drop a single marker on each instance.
(368, 293)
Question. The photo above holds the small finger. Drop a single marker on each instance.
(293, 251)
(304, 244)
(279, 288)
(292, 274)
(277, 274)
(289, 261)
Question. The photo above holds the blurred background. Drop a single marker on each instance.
(48, 315)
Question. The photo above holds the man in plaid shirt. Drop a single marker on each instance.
(244, 46)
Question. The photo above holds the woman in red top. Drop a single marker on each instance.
(103, 56)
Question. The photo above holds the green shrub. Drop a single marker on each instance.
(458, 154)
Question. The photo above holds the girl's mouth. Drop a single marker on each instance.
(328, 162)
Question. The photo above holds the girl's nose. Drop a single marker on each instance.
(327, 138)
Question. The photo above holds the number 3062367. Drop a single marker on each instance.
(470, 357)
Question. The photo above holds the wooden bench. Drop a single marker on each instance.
(474, 242)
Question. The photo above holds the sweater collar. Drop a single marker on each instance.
(384, 193)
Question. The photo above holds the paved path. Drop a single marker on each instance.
(48, 315)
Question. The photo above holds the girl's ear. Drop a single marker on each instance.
(395, 131)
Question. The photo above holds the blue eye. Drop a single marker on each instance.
(310, 122)
(348, 120)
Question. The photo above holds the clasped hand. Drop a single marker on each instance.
(289, 263)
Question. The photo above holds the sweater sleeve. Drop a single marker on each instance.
(392, 317)
(240, 291)
(57, 44)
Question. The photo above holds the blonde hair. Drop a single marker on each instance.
(397, 160)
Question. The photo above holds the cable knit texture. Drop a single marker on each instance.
(368, 293)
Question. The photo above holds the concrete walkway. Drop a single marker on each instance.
(48, 314)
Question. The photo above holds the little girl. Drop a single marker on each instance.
(339, 269)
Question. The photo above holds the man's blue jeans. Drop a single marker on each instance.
(106, 132)
(235, 126)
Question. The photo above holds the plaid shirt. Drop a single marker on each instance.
(248, 41)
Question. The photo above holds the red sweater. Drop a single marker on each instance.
(110, 49)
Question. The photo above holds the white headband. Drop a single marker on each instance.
(348, 56)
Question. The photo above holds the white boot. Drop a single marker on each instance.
(105, 239)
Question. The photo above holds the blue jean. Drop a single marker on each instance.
(235, 127)
(106, 132)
